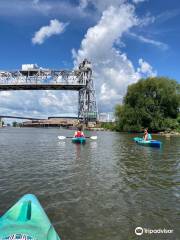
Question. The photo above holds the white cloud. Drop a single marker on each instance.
(100, 38)
(5, 94)
(54, 28)
(156, 43)
(83, 4)
(167, 15)
(113, 71)
(103, 5)
(39, 8)
(146, 69)
(36, 1)
(146, 20)
(38, 103)
(138, 1)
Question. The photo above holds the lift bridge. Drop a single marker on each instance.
(31, 77)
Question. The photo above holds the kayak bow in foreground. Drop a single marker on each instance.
(149, 143)
(26, 220)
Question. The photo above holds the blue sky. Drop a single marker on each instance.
(125, 40)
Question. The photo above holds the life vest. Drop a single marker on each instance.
(79, 134)
(149, 136)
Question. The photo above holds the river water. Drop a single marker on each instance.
(102, 190)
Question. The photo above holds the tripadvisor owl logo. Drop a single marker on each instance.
(139, 231)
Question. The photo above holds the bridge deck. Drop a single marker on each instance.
(34, 118)
(73, 87)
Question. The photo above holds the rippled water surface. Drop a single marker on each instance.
(99, 191)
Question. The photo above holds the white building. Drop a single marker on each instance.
(106, 117)
(28, 67)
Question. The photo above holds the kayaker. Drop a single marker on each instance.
(147, 136)
(79, 133)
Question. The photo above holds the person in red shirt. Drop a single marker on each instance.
(79, 133)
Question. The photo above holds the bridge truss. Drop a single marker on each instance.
(46, 79)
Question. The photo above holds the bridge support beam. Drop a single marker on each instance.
(1, 123)
(87, 109)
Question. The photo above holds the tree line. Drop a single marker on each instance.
(152, 103)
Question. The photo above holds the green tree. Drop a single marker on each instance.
(14, 124)
(152, 102)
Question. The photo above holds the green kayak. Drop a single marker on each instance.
(148, 143)
(80, 140)
(26, 220)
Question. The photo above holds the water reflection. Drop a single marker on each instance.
(100, 190)
(93, 145)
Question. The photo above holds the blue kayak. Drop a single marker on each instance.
(80, 140)
(26, 220)
(148, 143)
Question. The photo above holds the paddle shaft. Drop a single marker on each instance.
(63, 137)
(83, 137)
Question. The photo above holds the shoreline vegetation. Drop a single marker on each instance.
(152, 103)
(111, 127)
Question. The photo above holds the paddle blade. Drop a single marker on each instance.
(61, 137)
(93, 137)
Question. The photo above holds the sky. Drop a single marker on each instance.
(125, 40)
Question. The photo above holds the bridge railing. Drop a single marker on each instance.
(43, 77)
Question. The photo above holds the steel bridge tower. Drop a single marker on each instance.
(31, 77)
(87, 108)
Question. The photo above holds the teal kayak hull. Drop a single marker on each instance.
(149, 143)
(80, 140)
(26, 220)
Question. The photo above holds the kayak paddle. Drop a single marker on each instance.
(63, 137)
